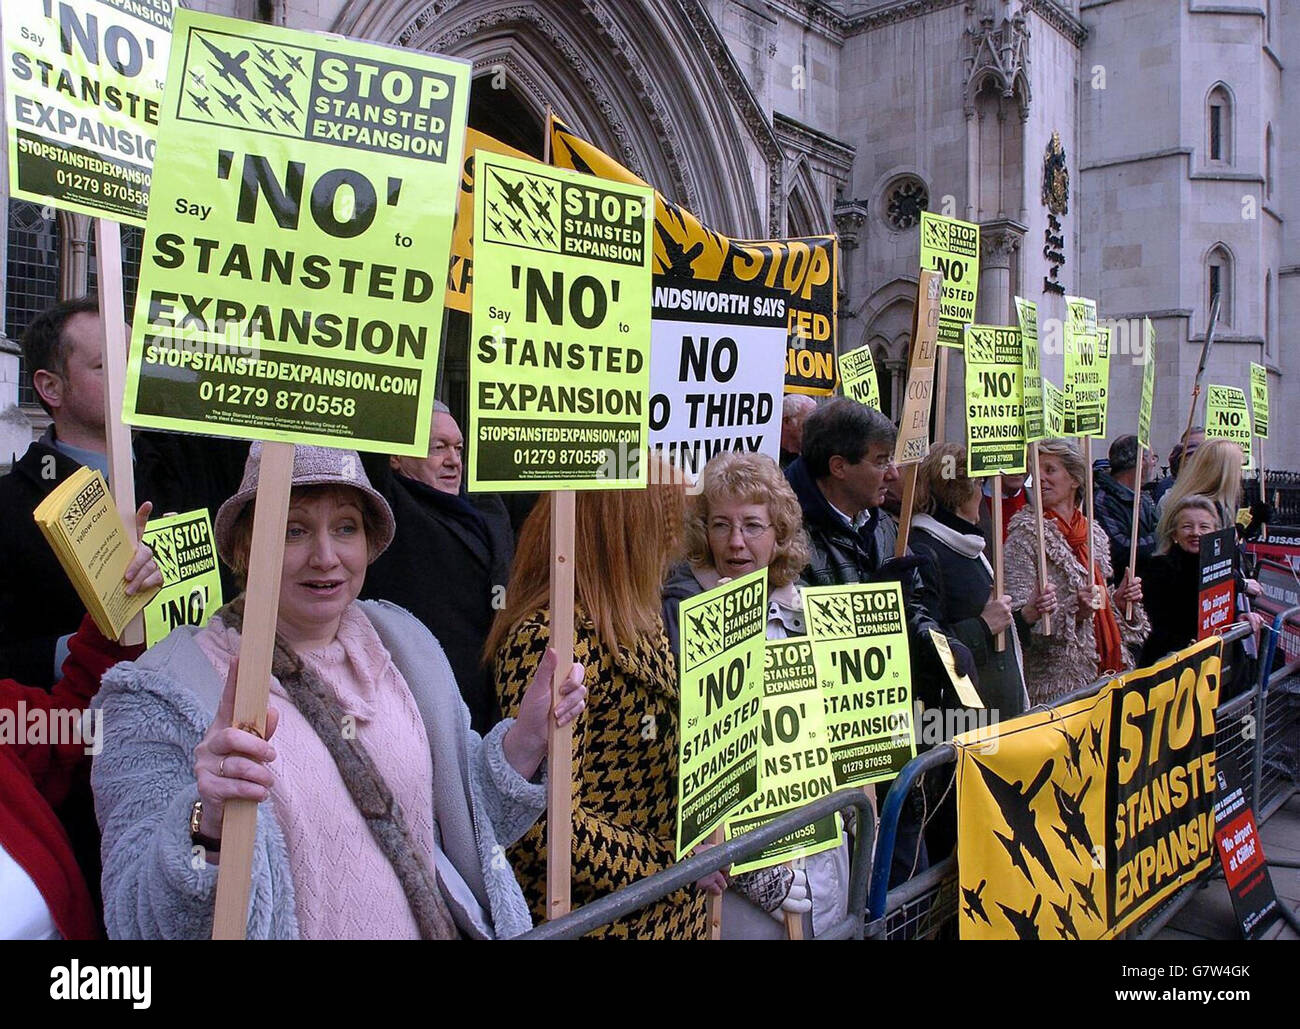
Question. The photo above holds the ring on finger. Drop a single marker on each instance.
(221, 768)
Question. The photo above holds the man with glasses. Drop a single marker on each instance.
(450, 558)
(841, 480)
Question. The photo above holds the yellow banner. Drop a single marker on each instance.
(460, 273)
(1075, 822)
(805, 270)
(298, 233)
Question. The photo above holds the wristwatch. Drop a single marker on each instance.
(196, 836)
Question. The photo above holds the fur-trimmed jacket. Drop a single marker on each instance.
(157, 710)
(1058, 664)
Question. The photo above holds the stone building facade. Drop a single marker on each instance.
(793, 117)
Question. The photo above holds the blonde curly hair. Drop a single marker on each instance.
(732, 476)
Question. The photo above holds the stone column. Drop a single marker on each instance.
(850, 216)
(999, 242)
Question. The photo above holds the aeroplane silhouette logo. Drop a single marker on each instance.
(522, 210)
(834, 617)
(707, 634)
(936, 234)
(246, 83)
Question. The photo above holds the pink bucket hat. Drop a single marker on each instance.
(312, 466)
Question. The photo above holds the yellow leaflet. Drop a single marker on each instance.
(794, 758)
(995, 423)
(966, 691)
(720, 664)
(1035, 422)
(1259, 398)
(858, 376)
(1063, 835)
(184, 549)
(300, 222)
(952, 247)
(859, 644)
(83, 527)
(83, 85)
(560, 344)
(1228, 417)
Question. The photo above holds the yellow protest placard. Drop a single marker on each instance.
(794, 758)
(184, 550)
(858, 377)
(859, 644)
(720, 662)
(460, 272)
(961, 682)
(1032, 377)
(995, 421)
(1148, 384)
(81, 524)
(1228, 417)
(803, 271)
(1103, 377)
(83, 85)
(952, 247)
(559, 350)
(1082, 374)
(1053, 409)
(1074, 823)
(1259, 398)
(302, 208)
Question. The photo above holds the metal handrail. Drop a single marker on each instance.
(1270, 648)
(655, 887)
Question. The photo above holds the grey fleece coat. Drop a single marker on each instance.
(1058, 664)
(156, 711)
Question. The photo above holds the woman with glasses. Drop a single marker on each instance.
(745, 517)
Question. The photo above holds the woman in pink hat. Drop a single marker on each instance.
(388, 815)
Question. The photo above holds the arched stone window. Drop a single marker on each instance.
(1268, 162)
(1268, 314)
(1219, 279)
(1219, 125)
(32, 279)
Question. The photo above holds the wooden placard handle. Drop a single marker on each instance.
(1087, 468)
(905, 511)
(253, 684)
(941, 398)
(1038, 524)
(715, 899)
(999, 639)
(1137, 517)
(559, 753)
(121, 470)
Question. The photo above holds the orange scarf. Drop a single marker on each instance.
(1110, 649)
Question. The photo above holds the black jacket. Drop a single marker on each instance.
(37, 602)
(447, 573)
(1170, 595)
(1113, 504)
(962, 586)
(841, 556)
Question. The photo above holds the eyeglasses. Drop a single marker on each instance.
(723, 529)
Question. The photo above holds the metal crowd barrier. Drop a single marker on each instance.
(655, 887)
(1261, 726)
